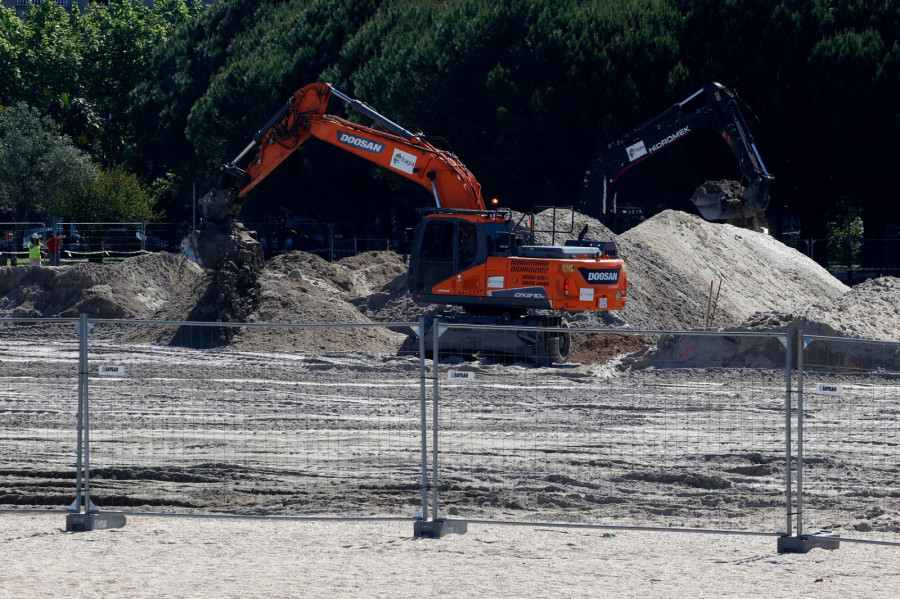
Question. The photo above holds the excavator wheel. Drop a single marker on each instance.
(558, 345)
(551, 347)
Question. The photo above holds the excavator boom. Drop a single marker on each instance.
(303, 116)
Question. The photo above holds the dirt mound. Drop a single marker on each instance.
(672, 260)
(293, 288)
(303, 288)
(871, 310)
(154, 286)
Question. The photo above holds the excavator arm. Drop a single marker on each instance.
(719, 113)
(303, 116)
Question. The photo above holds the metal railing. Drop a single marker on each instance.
(852, 260)
(678, 442)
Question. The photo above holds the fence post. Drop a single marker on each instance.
(90, 519)
(89, 506)
(800, 383)
(435, 403)
(79, 417)
(787, 435)
(424, 419)
(802, 543)
(437, 526)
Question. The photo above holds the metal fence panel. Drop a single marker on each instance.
(668, 443)
(38, 407)
(206, 429)
(851, 438)
(694, 430)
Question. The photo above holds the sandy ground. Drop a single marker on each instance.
(179, 557)
(673, 260)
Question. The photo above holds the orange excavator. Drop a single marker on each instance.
(465, 256)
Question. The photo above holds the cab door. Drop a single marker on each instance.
(443, 248)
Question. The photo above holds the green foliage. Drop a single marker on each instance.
(39, 168)
(845, 241)
(48, 56)
(116, 195)
(527, 92)
(80, 68)
(513, 86)
(845, 82)
(12, 36)
(193, 53)
(288, 46)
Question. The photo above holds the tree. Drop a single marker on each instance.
(116, 195)
(80, 68)
(845, 241)
(526, 91)
(47, 56)
(12, 33)
(180, 74)
(117, 43)
(39, 167)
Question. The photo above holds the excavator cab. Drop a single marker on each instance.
(442, 248)
(450, 242)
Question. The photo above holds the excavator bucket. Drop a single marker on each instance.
(215, 241)
(222, 242)
(731, 201)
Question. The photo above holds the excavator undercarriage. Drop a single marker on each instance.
(541, 339)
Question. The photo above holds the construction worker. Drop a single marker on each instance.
(34, 250)
(54, 247)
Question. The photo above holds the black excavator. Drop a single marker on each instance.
(714, 200)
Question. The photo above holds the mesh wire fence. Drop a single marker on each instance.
(200, 428)
(669, 442)
(663, 430)
(851, 438)
(38, 414)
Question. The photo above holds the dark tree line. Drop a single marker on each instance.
(528, 92)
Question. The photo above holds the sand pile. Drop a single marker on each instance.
(672, 261)
(159, 286)
(674, 258)
(304, 288)
(871, 310)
